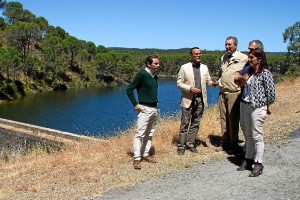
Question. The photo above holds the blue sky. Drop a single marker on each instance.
(166, 24)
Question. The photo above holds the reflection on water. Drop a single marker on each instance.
(90, 111)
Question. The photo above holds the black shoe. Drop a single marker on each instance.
(180, 151)
(257, 170)
(193, 149)
(246, 165)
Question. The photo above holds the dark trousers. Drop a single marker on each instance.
(190, 122)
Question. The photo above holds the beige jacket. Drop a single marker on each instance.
(186, 80)
(229, 70)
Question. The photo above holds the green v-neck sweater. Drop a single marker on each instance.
(146, 87)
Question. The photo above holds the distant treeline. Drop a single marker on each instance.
(149, 51)
(35, 56)
(172, 59)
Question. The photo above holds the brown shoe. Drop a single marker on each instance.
(137, 164)
(149, 159)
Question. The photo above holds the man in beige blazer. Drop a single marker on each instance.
(192, 80)
(232, 62)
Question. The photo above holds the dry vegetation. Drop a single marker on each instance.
(92, 168)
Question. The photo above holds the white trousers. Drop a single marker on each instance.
(253, 124)
(145, 129)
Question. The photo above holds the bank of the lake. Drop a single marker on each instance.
(97, 111)
(88, 170)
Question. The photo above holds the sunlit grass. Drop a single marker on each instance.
(89, 169)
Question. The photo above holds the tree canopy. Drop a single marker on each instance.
(292, 36)
(36, 56)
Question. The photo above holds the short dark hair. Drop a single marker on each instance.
(235, 40)
(149, 59)
(191, 50)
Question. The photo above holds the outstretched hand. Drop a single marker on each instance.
(137, 108)
(241, 80)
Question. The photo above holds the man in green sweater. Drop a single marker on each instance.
(145, 83)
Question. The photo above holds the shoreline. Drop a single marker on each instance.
(91, 169)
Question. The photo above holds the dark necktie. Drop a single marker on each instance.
(229, 57)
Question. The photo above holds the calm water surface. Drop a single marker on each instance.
(91, 111)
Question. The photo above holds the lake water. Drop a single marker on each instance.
(91, 111)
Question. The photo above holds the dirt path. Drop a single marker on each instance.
(220, 180)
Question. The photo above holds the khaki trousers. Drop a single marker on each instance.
(229, 105)
(145, 129)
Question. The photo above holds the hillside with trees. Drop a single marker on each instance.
(36, 56)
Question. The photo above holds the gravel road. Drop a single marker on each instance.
(220, 180)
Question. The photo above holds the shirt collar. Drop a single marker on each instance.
(234, 54)
(148, 70)
(231, 57)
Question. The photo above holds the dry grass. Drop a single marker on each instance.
(92, 168)
(285, 117)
